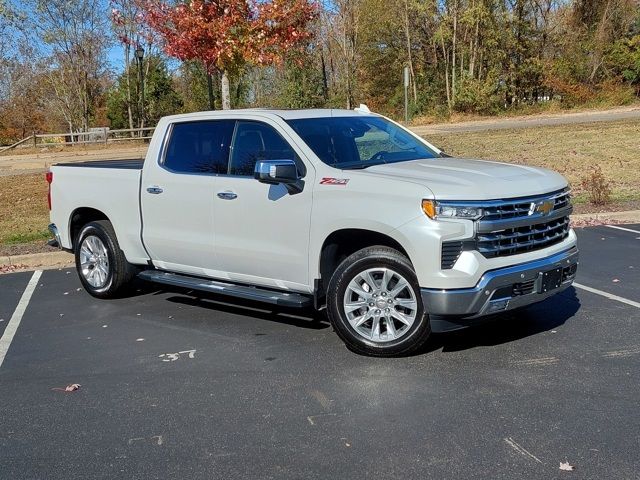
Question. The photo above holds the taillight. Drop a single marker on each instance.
(49, 177)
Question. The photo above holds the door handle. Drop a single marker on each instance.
(154, 189)
(227, 195)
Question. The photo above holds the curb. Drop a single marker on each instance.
(630, 216)
(31, 261)
(60, 259)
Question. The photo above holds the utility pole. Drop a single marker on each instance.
(406, 94)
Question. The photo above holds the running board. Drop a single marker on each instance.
(275, 297)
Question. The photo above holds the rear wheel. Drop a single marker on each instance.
(374, 303)
(101, 265)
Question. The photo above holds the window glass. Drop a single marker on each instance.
(255, 141)
(359, 141)
(199, 147)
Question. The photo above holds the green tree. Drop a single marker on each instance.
(160, 96)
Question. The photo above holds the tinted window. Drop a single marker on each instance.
(359, 141)
(255, 141)
(199, 147)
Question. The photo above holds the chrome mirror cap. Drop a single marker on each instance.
(275, 172)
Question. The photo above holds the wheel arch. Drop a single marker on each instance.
(79, 218)
(341, 243)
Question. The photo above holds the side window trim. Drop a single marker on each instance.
(300, 165)
(167, 141)
(232, 145)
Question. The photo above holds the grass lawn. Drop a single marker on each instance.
(570, 150)
(24, 215)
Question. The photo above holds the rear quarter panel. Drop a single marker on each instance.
(112, 191)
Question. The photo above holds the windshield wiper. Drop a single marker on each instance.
(358, 166)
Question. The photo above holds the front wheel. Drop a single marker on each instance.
(374, 303)
(101, 265)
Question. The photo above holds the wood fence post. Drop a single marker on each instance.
(35, 140)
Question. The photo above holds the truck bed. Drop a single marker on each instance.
(111, 187)
(132, 164)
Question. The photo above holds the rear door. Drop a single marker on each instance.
(177, 196)
(262, 231)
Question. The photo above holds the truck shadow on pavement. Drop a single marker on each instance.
(512, 326)
(503, 328)
(302, 318)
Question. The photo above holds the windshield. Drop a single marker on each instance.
(359, 142)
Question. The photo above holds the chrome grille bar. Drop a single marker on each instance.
(523, 239)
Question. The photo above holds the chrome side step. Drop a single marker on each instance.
(275, 297)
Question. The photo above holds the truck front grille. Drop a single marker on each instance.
(513, 226)
(512, 241)
(522, 208)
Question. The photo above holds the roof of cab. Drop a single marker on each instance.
(283, 113)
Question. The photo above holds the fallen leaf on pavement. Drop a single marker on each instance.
(565, 466)
(69, 388)
(11, 268)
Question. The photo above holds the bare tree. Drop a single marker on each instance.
(75, 32)
(342, 17)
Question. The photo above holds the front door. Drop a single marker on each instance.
(262, 231)
(177, 196)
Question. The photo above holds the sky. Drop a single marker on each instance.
(115, 54)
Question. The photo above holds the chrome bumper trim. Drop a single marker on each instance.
(476, 302)
(56, 235)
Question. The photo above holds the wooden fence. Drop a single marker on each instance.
(95, 136)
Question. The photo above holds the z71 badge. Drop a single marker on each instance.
(334, 181)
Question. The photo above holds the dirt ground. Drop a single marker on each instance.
(29, 160)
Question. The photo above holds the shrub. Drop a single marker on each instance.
(597, 186)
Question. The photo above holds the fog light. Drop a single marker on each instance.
(498, 305)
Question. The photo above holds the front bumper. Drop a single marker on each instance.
(501, 290)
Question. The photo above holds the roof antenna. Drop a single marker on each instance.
(362, 109)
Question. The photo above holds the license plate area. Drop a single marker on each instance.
(550, 280)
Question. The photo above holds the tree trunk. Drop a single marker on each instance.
(325, 83)
(212, 105)
(453, 54)
(226, 95)
(474, 49)
(445, 54)
(127, 60)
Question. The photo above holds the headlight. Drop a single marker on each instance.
(434, 210)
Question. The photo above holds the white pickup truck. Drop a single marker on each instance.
(341, 209)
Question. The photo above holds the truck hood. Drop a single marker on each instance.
(468, 179)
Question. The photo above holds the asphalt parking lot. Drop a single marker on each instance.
(175, 386)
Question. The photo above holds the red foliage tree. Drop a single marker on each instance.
(226, 34)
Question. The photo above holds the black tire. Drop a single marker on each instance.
(119, 271)
(415, 335)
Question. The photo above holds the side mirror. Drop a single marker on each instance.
(274, 172)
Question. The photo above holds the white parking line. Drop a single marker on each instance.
(610, 296)
(623, 229)
(16, 318)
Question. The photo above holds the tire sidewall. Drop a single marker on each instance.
(96, 230)
(339, 283)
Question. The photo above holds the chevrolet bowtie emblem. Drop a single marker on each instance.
(543, 207)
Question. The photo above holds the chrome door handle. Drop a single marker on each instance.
(227, 195)
(154, 189)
